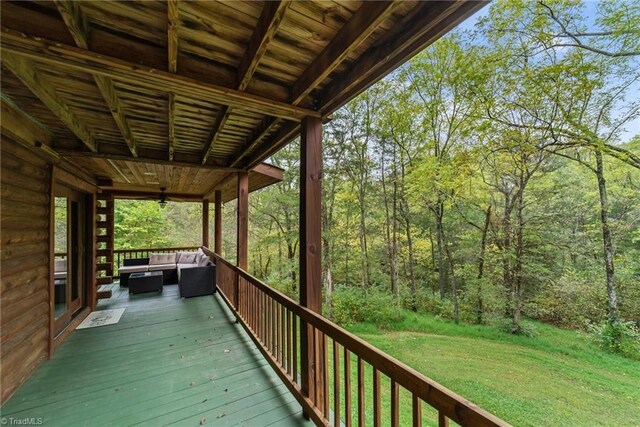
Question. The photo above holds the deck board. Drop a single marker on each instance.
(169, 361)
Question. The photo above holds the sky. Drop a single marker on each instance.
(632, 128)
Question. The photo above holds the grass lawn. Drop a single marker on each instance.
(555, 378)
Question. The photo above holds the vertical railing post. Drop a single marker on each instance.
(217, 227)
(312, 376)
(205, 223)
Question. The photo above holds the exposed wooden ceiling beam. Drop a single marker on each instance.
(37, 83)
(272, 14)
(270, 19)
(172, 48)
(73, 58)
(22, 127)
(78, 26)
(432, 19)
(75, 154)
(361, 25)
(28, 131)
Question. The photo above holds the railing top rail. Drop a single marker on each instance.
(178, 248)
(455, 407)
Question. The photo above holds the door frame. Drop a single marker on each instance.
(86, 303)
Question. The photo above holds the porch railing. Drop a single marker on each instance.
(344, 382)
(119, 255)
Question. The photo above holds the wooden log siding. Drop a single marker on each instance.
(273, 322)
(24, 292)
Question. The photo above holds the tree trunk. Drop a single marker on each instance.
(433, 262)
(390, 228)
(364, 256)
(454, 287)
(406, 214)
(483, 246)
(519, 258)
(440, 244)
(506, 256)
(612, 297)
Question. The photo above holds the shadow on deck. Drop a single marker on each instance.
(168, 361)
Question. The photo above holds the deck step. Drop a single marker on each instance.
(106, 280)
(103, 294)
(103, 252)
(104, 239)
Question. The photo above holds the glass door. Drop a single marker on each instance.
(69, 248)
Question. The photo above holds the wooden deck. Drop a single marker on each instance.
(168, 361)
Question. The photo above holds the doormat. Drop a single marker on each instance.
(102, 318)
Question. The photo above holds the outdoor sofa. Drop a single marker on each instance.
(194, 271)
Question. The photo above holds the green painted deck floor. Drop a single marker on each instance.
(168, 361)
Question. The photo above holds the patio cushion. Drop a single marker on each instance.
(186, 257)
(157, 259)
(203, 261)
(133, 269)
(156, 267)
(60, 265)
(199, 256)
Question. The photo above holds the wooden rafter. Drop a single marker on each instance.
(38, 84)
(172, 52)
(433, 19)
(77, 24)
(22, 127)
(141, 159)
(73, 58)
(361, 25)
(270, 19)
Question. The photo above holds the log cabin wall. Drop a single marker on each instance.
(25, 192)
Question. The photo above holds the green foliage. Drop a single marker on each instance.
(621, 338)
(144, 224)
(557, 377)
(570, 302)
(353, 305)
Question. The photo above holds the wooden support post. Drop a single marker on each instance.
(243, 219)
(310, 255)
(205, 223)
(243, 231)
(217, 237)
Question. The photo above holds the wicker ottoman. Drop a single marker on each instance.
(148, 281)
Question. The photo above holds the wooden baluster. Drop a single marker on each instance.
(443, 421)
(336, 384)
(314, 389)
(282, 337)
(347, 388)
(276, 341)
(268, 324)
(274, 326)
(417, 411)
(361, 420)
(325, 374)
(395, 404)
(294, 333)
(289, 370)
(377, 416)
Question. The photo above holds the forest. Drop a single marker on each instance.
(493, 179)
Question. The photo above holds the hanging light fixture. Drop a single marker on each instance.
(162, 201)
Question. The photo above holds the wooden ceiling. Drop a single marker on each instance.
(197, 85)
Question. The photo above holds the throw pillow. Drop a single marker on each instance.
(203, 261)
